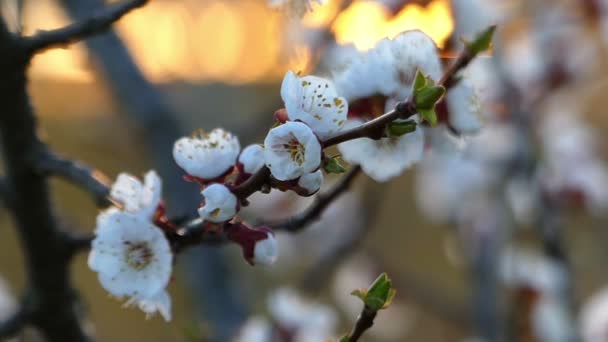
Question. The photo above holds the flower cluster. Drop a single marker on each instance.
(135, 242)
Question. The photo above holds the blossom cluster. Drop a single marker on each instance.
(135, 243)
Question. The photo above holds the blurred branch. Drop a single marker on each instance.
(53, 311)
(83, 176)
(78, 31)
(12, 325)
(322, 201)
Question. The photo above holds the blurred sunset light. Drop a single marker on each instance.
(229, 42)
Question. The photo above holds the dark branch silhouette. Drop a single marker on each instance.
(80, 30)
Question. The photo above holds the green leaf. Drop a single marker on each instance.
(482, 41)
(379, 293)
(419, 81)
(333, 165)
(399, 128)
(360, 293)
(344, 338)
(429, 116)
(426, 97)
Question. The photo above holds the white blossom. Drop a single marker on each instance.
(310, 321)
(464, 107)
(137, 198)
(266, 252)
(311, 182)
(594, 317)
(295, 8)
(220, 204)
(291, 150)
(256, 329)
(389, 68)
(385, 158)
(369, 73)
(414, 50)
(252, 158)
(207, 155)
(314, 101)
(133, 259)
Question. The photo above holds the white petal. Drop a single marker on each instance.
(252, 158)
(311, 181)
(128, 191)
(280, 160)
(151, 194)
(464, 108)
(314, 101)
(207, 156)
(266, 251)
(160, 302)
(385, 158)
(220, 204)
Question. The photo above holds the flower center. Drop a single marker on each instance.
(138, 255)
(296, 150)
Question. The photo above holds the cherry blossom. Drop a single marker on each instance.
(133, 259)
(207, 155)
(314, 101)
(220, 204)
(252, 158)
(291, 150)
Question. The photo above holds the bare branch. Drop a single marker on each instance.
(78, 31)
(83, 176)
(313, 212)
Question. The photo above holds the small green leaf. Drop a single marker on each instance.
(389, 300)
(419, 81)
(429, 116)
(333, 165)
(379, 293)
(344, 338)
(399, 128)
(360, 293)
(426, 98)
(482, 41)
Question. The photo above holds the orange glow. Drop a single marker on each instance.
(365, 22)
(225, 41)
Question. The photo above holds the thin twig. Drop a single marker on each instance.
(81, 175)
(364, 322)
(322, 201)
(78, 31)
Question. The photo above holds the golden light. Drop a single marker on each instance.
(190, 40)
(366, 22)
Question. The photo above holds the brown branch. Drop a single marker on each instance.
(364, 322)
(78, 31)
(322, 201)
(77, 173)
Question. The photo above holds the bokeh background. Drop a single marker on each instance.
(220, 63)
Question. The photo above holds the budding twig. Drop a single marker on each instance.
(364, 322)
(78, 31)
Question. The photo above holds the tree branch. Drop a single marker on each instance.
(322, 201)
(78, 31)
(364, 322)
(77, 173)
